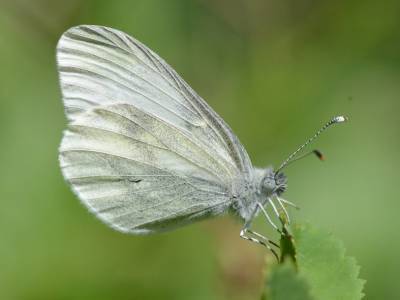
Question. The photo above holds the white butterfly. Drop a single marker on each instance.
(142, 150)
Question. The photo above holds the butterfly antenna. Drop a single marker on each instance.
(316, 152)
(338, 119)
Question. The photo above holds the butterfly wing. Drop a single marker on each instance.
(142, 150)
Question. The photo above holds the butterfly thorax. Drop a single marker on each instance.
(263, 185)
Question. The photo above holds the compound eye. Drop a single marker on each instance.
(280, 179)
(268, 184)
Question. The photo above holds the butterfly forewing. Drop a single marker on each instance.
(143, 151)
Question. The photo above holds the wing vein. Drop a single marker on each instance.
(70, 50)
(85, 72)
(187, 135)
(154, 146)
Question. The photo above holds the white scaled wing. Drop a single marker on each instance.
(142, 150)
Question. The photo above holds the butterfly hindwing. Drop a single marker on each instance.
(143, 151)
(128, 169)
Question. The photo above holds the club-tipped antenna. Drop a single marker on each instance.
(338, 119)
(316, 152)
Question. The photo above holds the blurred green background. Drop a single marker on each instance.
(275, 71)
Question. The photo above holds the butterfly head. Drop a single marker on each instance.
(273, 183)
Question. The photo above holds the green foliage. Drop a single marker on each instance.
(323, 270)
(285, 284)
(321, 260)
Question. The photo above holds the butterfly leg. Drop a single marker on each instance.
(244, 235)
(267, 216)
(289, 203)
(263, 237)
(284, 209)
(274, 208)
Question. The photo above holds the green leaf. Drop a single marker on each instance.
(284, 283)
(322, 262)
(313, 265)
